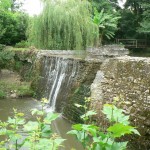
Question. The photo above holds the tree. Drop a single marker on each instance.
(11, 5)
(134, 19)
(13, 22)
(5, 5)
(63, 25)
(106, 17)
(107, 24)
(145, 23)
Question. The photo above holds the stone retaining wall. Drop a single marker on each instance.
(128, 78)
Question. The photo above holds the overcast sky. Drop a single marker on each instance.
(34, 6)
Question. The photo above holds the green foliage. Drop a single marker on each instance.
(134, 22)
(127, 25)
(39, 134)
(22, 89)
(2, 47)
(145, 23)
(10, 5)
(21, 44)
(63, 25)
(12, 27)
(25, 90)
(6, 58)
(93, 138)
(13, 22)
(107, 23)
(110, 7)
(2, 94)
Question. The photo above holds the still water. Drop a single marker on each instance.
(60, 125)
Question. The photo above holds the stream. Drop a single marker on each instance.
(60, 125)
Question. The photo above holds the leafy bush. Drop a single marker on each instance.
(2, 94)
(6, 58)
(21, 44)
(25, 90)
(12, 27)
(93, 138)
(39, 135)
(2, 47)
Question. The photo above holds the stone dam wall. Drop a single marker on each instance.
(127, 78)
(102, 78)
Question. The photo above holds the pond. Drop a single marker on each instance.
(60, 125)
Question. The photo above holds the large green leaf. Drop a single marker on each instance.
(115, 114)
(46, 131)
(120, 129)
(119, 146)
(50, 117)
(31, 126)
(18, 121)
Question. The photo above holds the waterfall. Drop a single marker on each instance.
(58, 76)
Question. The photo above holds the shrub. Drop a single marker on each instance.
(93, 138)
(39, 135)
(22, 44)
(2, 47)
(2, 94)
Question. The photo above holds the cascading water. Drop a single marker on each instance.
(58, 74)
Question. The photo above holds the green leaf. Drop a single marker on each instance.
(119, 146)
(11, 121)
(120, 129)
(135, 131)
(88, 114)
(31, 126)
(78, 105)
(15, 137)
(46, 131)
(74, 132)
(115, 114)
(3, 131)
(37, 112)
(50, 117)
(18, 121)
(77, 127)
(34, 111)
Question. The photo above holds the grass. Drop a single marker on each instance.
(22, 89)
(2, 94)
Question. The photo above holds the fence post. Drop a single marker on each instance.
(136, 44)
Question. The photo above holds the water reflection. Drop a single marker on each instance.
(60, 126)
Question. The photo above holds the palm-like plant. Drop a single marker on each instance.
(107, 24)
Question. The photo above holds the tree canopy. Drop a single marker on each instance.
(74, 24)
(63, 25)
(13, 22)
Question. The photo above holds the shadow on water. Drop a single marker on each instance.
(59, 126)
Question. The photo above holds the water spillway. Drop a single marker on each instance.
(58, 75)
(65, 80)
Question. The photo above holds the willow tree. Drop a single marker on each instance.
(63, 24)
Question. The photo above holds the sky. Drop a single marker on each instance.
(34, 7)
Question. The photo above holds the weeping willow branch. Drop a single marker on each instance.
(63, 24)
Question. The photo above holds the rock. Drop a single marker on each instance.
(14, 95)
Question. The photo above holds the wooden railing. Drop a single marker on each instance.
(132, 43)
